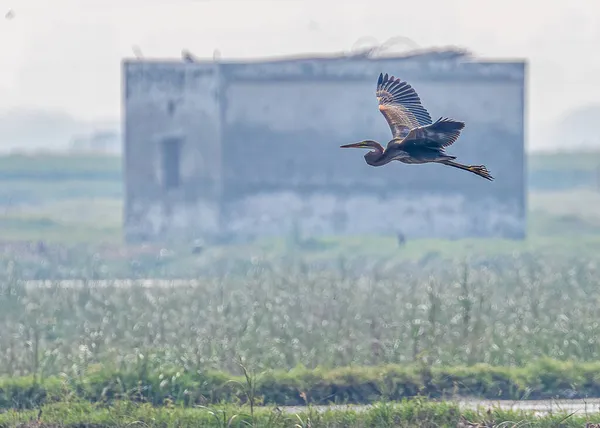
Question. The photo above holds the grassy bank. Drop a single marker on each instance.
(544, 379)
(408, 414)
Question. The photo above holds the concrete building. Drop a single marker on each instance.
(246, 149)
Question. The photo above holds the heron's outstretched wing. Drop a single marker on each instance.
(400, 105)
(439, 135)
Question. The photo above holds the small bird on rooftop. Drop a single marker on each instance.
(137, 52)
(416, 139)
(187, 56)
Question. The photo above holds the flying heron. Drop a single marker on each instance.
(415, 139)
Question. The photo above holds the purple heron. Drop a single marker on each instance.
(415, 139)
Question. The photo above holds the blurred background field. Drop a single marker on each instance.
(77, 199)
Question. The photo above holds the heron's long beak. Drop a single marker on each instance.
(351, 145)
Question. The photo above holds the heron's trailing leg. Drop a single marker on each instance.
(479, 170)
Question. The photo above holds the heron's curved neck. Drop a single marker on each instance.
(375, 156)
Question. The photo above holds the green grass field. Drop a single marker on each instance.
(409, 414)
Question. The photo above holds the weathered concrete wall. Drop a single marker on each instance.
(163, 101)
(262, 156)
(416, 216)
(288, 170)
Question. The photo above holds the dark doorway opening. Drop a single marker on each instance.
(171, 162)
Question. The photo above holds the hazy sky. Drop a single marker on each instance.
(66, 53)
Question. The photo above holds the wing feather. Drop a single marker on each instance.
(400, 105)
(439, 135)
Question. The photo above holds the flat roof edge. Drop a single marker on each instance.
(412, 56)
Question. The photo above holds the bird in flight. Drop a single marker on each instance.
(415, 139)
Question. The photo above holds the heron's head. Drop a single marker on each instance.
(374, 155)
(366, 144)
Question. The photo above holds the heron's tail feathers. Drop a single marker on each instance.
(479, 170)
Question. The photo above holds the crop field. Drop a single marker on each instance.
(279, 317)
(335, 320)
